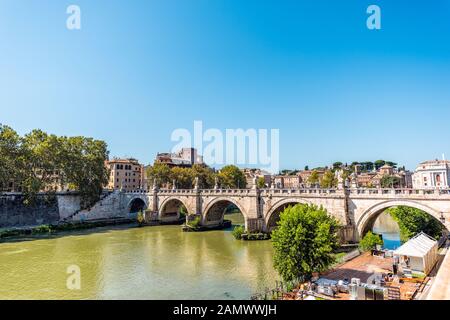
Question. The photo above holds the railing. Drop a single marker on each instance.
(298, 191)
(384, 191)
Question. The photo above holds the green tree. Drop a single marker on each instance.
(184, 177)
(313, 178)
(159, 172)
(337, 165)
(34, 162)
(206, 176)
(328, 180)
(261, 182)
(370, 241)
(82, 164)
(392, 164)
(231, 176)
(11, 156)
(379, 163)
(304, 241)
(390, 181)
(412, 221)
(306, 168)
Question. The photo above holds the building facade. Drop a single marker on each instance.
(125, 174)
(432, 174)
(186, 157)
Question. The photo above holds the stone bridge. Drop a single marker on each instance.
(356, 209)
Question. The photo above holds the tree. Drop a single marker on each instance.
(304, 241)
(412, 221)
(313, 178)
(370, 241)
(306, 168)
(328, 180)
(261, 182)
(392, 164)
(11, 156)
(184, 177)
(82, 164)
(337, 165)
(388, 181)
(159, 172)
(379, 163)
(231, 176)
(206, 176)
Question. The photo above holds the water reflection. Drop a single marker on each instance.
(389, 229)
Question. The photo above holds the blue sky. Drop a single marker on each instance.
(137, 70)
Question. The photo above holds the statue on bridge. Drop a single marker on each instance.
(216, 183)
(196, 184)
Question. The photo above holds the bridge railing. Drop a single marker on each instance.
(396, 191)
(301, 191)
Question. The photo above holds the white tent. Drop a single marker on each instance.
(419, 253)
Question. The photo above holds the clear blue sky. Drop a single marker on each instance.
(140, 69)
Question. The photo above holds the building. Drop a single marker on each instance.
(186, 157)
(305, 174)
(287, 181)
(125, 174)
(432, 174)
(373, 179)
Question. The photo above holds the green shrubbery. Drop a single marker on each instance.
(370, 241)
(195, 223)
(140, 218)
(238, 231)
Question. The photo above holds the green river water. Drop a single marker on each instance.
(159, 262)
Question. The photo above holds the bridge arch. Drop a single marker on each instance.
(273, 215)
(214, 212)
(367, 219)
(136, 204)
(170, 209)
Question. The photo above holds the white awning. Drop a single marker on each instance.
(418, 246)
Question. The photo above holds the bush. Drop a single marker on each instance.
(194, 223)
(370, 241)
(238, 231)
(140, 218)
(42, 229)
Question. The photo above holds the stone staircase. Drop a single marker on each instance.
(104, 198)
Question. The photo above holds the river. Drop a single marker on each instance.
(159, 262)
(389, 229)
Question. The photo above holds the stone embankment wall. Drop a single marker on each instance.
(14, 213)
(56, 208)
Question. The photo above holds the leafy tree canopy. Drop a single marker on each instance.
(412, 221)
(231, 176)
(304, 241)
(370, 241)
